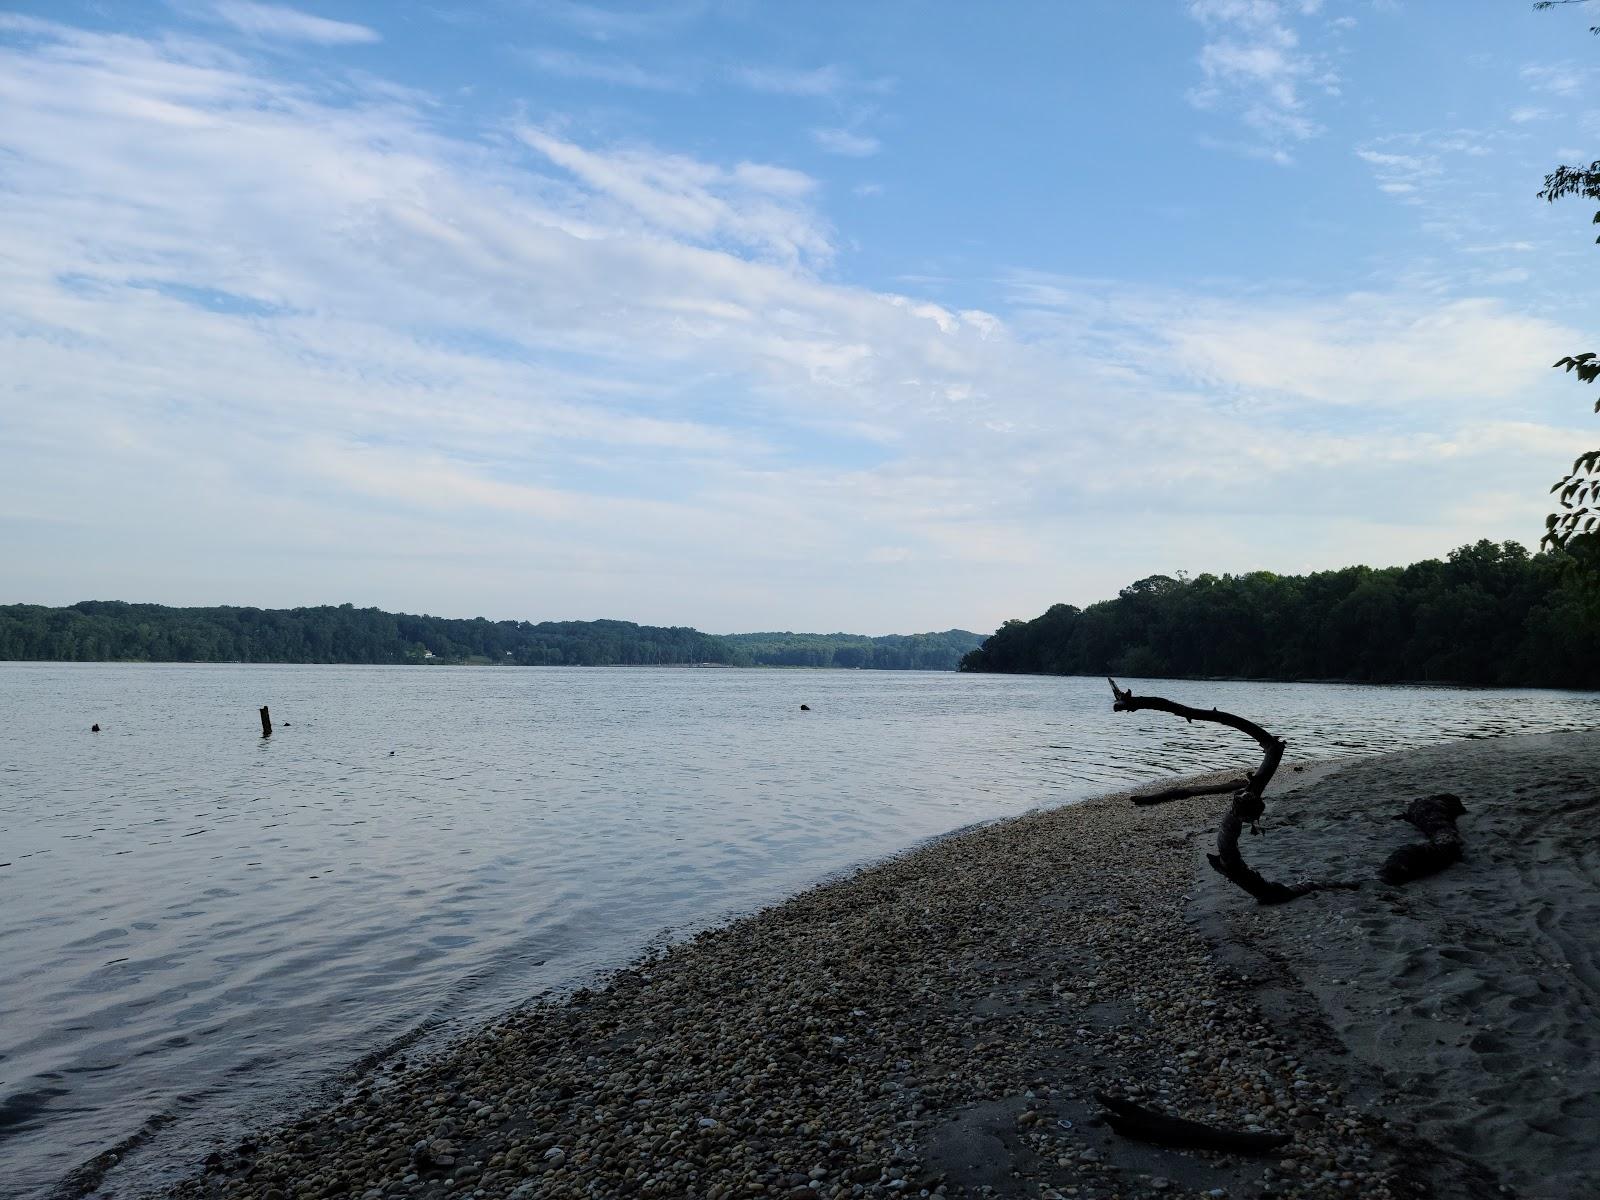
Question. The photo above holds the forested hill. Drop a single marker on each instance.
(110, 630)
(1488, 614)
(896, 652)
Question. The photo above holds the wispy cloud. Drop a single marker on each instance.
(289, 24)
(846, 143)
(1253, 64)
(754, 206)
(615, 71)
(604, 24)
(825, 82)
(592, 377)
(1401, 175)
(1558, 79)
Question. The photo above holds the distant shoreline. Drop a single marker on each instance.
(1127, 680)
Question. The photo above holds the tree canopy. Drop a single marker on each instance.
(1490, 613)
(111, 630)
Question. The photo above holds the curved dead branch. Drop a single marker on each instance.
(1247, 805)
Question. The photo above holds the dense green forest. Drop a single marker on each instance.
(110, 630)
(1488, 614)
(896, 652)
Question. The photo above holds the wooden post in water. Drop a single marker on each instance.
(266, 722)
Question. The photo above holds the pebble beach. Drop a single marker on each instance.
(939, 1024)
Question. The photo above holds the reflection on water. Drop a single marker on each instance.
(196, 922)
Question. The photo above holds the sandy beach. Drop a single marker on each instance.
(939, 1023)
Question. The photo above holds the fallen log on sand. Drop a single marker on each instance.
(1436, 817)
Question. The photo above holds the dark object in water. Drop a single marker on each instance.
(1146, 1125)
(94, 728)
(805, 708)
(1436, 817)
(266, 722)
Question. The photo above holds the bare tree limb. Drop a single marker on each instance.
(1183, 793)
(1247, 805)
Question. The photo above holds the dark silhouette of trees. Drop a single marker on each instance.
(1488, 614)
(111, 630)
(894, 652)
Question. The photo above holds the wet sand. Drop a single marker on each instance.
(939, 1023)
(1470, 1001)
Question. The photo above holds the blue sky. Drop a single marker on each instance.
(880, 316)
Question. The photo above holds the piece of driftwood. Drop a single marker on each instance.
(1436, 817)
(1247, 805)
(266, 722)
(1183, 793)
(1146, 1125)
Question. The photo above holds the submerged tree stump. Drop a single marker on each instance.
(266, 722)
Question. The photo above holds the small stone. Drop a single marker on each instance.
(555, 1156)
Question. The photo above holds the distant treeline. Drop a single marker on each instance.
(1489, 614)
(114, 631)
(896, 652)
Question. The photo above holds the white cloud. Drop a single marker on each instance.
(846, 143)
(752, 205)
(1560, 79)
(826, 82)
(1254, 65)
(290, 24)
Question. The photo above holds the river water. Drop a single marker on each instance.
(201, 929)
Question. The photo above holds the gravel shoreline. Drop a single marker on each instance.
(936, 1024)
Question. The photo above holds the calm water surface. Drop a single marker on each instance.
(199, 927)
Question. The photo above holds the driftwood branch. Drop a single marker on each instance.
(1184, 793)
(1436, 817)
(1247, 806)
(1147, 1125)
